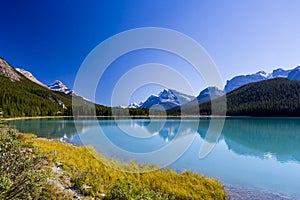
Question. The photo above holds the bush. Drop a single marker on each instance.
(22, 172)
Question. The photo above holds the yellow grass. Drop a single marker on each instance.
(95, 170)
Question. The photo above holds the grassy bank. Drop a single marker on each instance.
(88, 175)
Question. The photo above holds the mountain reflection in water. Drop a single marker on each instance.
(259, 137)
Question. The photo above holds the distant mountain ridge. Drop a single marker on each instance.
(168, 100)
(240, 80)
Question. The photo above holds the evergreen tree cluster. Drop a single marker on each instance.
(274, 97)
(25, 99)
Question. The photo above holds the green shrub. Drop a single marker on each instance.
(22, 168)
(53, 192)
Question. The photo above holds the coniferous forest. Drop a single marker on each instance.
(273, 98)
(25, 98)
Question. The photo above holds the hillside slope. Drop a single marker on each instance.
(21, 97)
(274, 97)
(25, 98)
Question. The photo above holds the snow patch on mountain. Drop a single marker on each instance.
(280, 73)
(238, 81)
(29, 76)
(135, 105)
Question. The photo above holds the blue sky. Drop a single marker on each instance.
(52, 38)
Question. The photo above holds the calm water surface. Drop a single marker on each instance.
(262, 153)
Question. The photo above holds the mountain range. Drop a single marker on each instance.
(168, 98)
(258, 94)
(238, 81)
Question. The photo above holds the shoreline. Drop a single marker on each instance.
(36, 117)
(145, 117)
(235, 192)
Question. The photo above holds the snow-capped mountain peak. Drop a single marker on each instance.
(167, 98)
(58, 86)
(167, 95)
(135, 105)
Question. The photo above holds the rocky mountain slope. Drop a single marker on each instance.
(7, 71)
(30, 76)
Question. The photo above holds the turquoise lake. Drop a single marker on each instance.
(262, 153)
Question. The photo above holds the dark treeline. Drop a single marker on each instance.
(90, 109)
